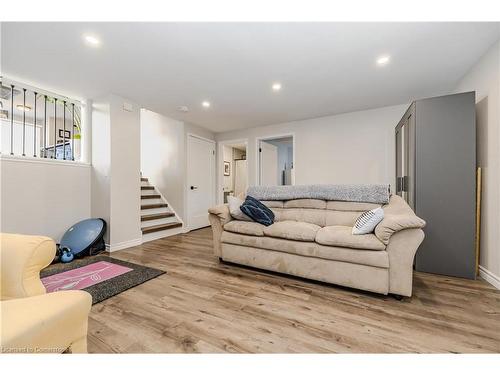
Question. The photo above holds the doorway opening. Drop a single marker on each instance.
(276, 161)
(233, 169)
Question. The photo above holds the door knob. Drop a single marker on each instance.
(194, 187)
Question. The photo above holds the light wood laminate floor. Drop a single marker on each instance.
(201, 305)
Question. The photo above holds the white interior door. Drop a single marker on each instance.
(200, 181)
(268, 162)
(240, 177)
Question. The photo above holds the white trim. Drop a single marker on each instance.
(257, 153)
(200, 137)
(220, 165)
(162, 234)
(489, 277)
(123, 245)
(31, 159)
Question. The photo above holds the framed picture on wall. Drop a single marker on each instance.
(227, 168)
(64, 133)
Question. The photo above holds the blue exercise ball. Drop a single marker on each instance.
(83, 235)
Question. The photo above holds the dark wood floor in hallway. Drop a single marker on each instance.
(201, 305)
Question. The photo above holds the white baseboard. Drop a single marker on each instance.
(489, 276)
(123, 245)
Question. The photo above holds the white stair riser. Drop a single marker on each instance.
(151, 201)
(144, 183)
(151, 211)
(165, 220)
(148, 192)
(160, 234)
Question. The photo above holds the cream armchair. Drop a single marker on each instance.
(31, 320)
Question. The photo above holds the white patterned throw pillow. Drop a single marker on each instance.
(368, 220)
(234, 204)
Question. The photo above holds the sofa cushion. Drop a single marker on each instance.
(342, 236)
(343, 218)
(245, 227)
(305, 203)
(273, 204)
(350, 206)
(305, 215)
(292, 230)
(372, 258)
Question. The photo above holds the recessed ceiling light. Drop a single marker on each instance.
(23, 108)
(205, 104)
(92, 40)
(383, 60)
(276, 86)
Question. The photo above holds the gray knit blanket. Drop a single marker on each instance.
(347, 193)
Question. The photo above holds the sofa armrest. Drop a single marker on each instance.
(22, 258)
(401, 250)
(218, 217)
(222, 213)
(54, 322)
(393, 223)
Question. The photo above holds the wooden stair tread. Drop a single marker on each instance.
(156, 205)
(147, 187)
(157, 228)
(144, 179)
(150, 196)
(157, 216)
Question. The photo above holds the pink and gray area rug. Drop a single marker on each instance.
(101, 276)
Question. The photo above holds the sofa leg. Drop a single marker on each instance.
(398, 297)
(78, 346)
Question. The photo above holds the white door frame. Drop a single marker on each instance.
(220, 164)
(257, 153)
(186, 183)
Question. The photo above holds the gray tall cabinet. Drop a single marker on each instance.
(436, 175)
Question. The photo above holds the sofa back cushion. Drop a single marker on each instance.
(305, 203)
(345, 218)
(306, 215)
(319, 212)
(351, 206)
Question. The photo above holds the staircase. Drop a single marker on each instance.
(157, 219)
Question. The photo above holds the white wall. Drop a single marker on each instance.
(125, 173)
(100, 205)
(356, 147)
(164, 156)
(116, 170)
(43, 197)
(484, 78)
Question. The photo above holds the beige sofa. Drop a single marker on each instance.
(312, 238)
(31, 320)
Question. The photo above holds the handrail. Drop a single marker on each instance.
(24, 128)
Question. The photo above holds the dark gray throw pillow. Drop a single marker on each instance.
(257, 211)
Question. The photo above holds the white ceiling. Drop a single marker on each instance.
(325, 68)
